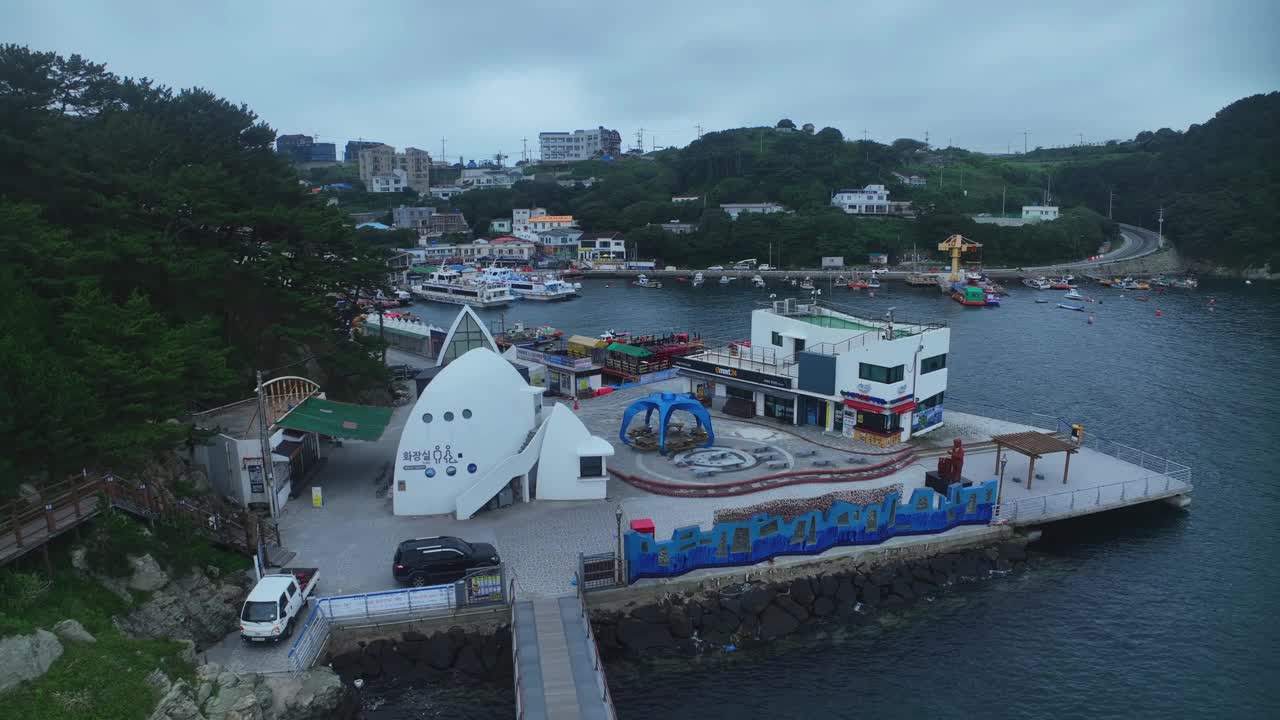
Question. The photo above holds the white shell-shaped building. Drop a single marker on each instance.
(479, 428)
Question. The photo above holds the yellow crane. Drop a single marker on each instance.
(958, 245)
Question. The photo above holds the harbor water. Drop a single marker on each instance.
(1147, 612)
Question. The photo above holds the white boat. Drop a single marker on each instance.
(543, 288)
(757, 281)
(447, 286)
(1037, 283)
(806, 283)
(873, 282)
(698, 279)
(644, 282)
(725, 279)
(1073, 295)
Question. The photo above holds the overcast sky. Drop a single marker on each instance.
(486, 73)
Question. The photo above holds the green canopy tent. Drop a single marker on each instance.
(341, 420)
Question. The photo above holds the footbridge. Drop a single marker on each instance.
(558, 672)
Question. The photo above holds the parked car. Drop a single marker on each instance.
(765, 266)
(441, 559)
(742, 266)
(716, 267)
(402, 371)
(274, 604)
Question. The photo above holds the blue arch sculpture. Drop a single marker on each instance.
(665, 404)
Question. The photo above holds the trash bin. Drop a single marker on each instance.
(644, 526)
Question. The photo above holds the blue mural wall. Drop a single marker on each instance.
(764, 536)
(926, 417)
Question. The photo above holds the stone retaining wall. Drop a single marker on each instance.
(709, 619)
(415, 657)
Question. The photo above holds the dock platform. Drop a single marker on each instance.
(559, 675)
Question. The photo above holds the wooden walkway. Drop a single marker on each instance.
(560, 676)
(30, 533)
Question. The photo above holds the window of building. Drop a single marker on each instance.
(776, 338)
(739, 393)
(930, 364)
(799, 344)
(880, 374)
(591, 466)
(930, 402)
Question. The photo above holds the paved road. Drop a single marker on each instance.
(1137, 243)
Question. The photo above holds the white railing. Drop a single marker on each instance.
(602, 682)
(515, 649)
(1070, 502)
(390, 607)
(1037, 420)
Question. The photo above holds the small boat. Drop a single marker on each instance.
(1041, 300)
(1069, 306)
(806, 283)
(857, 283)
(645, 282)
(757, 281)
(873, 283)
(1073, 295)
(993, 299)
(1037, 283)
(698, 279)
(725, 279)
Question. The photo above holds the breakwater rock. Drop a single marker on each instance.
(416, 656)
(707, 620)
(217, 694)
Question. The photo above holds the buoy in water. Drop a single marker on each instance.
(1159, 312)
(1090, 318)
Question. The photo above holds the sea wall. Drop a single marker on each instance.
(411, 656)
(707, 618)
(807, 527)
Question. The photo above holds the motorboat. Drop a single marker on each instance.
(725, 279)
(644, 282)
(448, 286)
(531, 286)
(1071, 306)
(1037, 283)
(757, 281)
(873, 283)
(857, 283)
(1062, 283)
(1073, 295)
(698, 279)
(806, 283)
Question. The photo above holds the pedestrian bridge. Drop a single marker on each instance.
(558, 673)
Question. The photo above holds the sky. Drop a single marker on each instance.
(486, 75)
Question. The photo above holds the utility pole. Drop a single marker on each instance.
(640, 140)
(1160, 232)
(1024, 142)
(524, 149)
(1111, 201)
(698, 127)
(268, 471)
(1002, 191)
(1081, 139)
(926, 139)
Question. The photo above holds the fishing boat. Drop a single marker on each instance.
(1037, 283)
(1062, 283)
(873, 283)
(857, 283)
(1073, 295)
(725, 279)
(806, 283)
(993, 299)
(698, 279)
(521, 336)
(1041, 300)
(921, 279)
(757, 281)
(1070, 306)
(448, 286)
(644, 282)
(531, 286)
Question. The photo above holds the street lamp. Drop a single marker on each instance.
(617, 563)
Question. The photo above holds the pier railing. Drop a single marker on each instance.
(1072, 502)
(602, 681)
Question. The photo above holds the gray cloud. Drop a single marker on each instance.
(487, 74)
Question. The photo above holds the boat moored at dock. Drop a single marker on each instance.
(531, 286)
(449, 287)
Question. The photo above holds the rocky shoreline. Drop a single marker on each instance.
(711, 620)
(413, 656)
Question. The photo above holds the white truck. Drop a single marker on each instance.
(275, 604)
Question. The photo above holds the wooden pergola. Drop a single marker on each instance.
(1034, 445)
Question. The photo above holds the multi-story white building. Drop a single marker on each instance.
(395, 181)
(501, 225)
(733, 210)
(520, 218)
(602, 246)
(870, 200)
(489, 177)
(408, 218)
(446, 192)
(559, 242)
(910, 180)
(1038, 213)
(878, 380)
(578, 145)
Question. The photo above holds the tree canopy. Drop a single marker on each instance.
(156, 252)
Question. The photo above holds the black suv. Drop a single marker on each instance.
(439, 560)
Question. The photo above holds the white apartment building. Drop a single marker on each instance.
(578, 145)
(520, 218)
(602, 246)
(1039, 213)
(446, 192)
(877, 380)
(384, 160)
(733, 210)
(395, 181)
(489, 177)
(870, 200)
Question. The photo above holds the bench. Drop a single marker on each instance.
(855, 460)
(761, 451)
(704, 472)
(807, 452)
(778, 465)
(822, 462)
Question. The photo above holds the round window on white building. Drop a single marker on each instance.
(448, 417)
(426, 417)
(451, 470)
(466, 414)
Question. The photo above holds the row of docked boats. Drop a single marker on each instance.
(492, 287)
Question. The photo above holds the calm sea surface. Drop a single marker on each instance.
(1149, 612)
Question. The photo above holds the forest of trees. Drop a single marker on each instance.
(156, 253)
